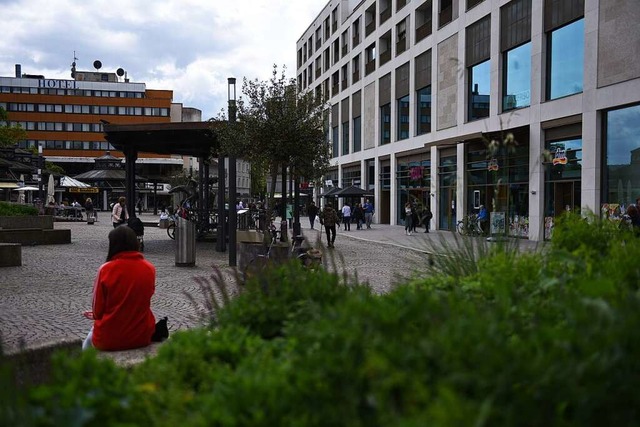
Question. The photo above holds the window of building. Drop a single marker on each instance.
(318, 67)
(473, 3)
(327, 29)
(370, 59)
(565, 63)
(355, 31)
(423, 116)
(620, 180)
(344, 37)
(327, 60)
(336, 51)
(299, 58)
(345, 138)
(334, 20)
(515, 45)
(517, 78)
(345, 76)
(385, 48)
(385, 124)
(310, 45)
(357, 134)
(445, 13)
(318, 38)
(403, 118)
(401, 3)
(423, 20)
(477, 54)
(304, 53)
(335, 152)
(385, 10)
(401, 36)
(356, 69)
(335, 83)
(370, 20)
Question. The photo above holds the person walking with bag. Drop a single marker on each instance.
(329, 218)
(119, 214)
(408, 214)
(312, 212)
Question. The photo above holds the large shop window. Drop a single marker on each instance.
(621, 177)
(414, 184)
(563, 179)
(357, 134)
(500, 182)
(478, 52)
(566, 60)
(447, 192)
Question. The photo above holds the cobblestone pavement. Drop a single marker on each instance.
(41, 302)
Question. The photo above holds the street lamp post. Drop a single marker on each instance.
(233, 213)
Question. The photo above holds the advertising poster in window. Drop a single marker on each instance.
(498, 226)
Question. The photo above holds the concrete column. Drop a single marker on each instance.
(536, 183)
(461, 208)
(376, 190)
(393, 196)
(433, 196)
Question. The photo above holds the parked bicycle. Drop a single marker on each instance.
(470, 226)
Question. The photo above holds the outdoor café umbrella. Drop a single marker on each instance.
(28, 188)
(51, 190)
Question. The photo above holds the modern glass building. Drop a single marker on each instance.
(529, 108)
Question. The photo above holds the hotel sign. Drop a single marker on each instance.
(57, 84)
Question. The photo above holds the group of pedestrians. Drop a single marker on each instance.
(414, 216)
(360, 214)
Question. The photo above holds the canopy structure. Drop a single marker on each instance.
(332, 192)
(67, 181)
(353, 191)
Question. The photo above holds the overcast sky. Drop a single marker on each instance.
(188, 46)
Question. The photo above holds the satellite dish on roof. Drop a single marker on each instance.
(120, 72)
(97, 64)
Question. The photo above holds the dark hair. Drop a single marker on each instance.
(122, 239)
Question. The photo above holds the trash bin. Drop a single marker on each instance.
(185, 243)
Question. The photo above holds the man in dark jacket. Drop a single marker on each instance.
(329, 218)
(312, 211)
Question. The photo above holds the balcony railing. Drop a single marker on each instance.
(370, 28)
(385, 14)
(423, 31)
(385, 56)
(370, 67)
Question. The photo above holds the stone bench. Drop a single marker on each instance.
(35, 236)
(10, 255)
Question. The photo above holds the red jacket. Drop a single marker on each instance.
(122, 303)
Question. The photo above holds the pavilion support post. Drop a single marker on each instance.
(297, 229)
(205, 188)
(130, 156)
(202, 219)
(233, 213)
(155, 197)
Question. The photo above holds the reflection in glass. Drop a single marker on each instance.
(345, 138)
(566, 46)
(479, 89)
(517, 79)
(403, 118)
(622, 185)
(563, 180)
(424, 111)
(334, 143)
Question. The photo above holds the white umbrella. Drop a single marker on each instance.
(28, 188)
(51, 190)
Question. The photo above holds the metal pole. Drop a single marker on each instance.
(221, 238)
(233, 213)
(297, 229)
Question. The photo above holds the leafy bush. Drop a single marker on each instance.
(12, 209)
(534, 339)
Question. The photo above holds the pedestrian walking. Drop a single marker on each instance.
(408, 213)
(346, 217)
(427, 215)
(358, 216)
(312, 212)
(368, 213)
(119, 214)
(414, 217)
(329, 218)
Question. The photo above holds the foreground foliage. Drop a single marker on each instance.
(12, 209)
(535, 339)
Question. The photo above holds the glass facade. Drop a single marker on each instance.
(517, 78)
(621, 173)
(447, 193)
(423, 119)
(566, 60)
(357, 134)
(335, 151)
(385, 124)
(479, 90)
(345, 138)
(403, 118)
(500, 182)
(414, 184)
(563, 177)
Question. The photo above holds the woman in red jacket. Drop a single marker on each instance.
(122, 317)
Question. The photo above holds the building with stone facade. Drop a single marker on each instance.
(417, 91)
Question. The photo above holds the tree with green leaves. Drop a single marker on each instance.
(277, 126)
(9, 135)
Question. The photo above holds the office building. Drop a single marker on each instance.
(530, 108)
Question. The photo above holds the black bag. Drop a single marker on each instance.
(162, 330)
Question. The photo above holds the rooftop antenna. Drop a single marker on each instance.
(73, 66)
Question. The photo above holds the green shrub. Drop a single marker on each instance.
(12, 209)
(536, 339)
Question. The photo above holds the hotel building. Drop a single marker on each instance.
(418, 90)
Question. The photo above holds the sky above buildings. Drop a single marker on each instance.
(188, 46)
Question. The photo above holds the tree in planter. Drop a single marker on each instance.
(277, 127)
(9, 135)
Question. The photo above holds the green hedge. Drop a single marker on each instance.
(550, 338)
(12, 209)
